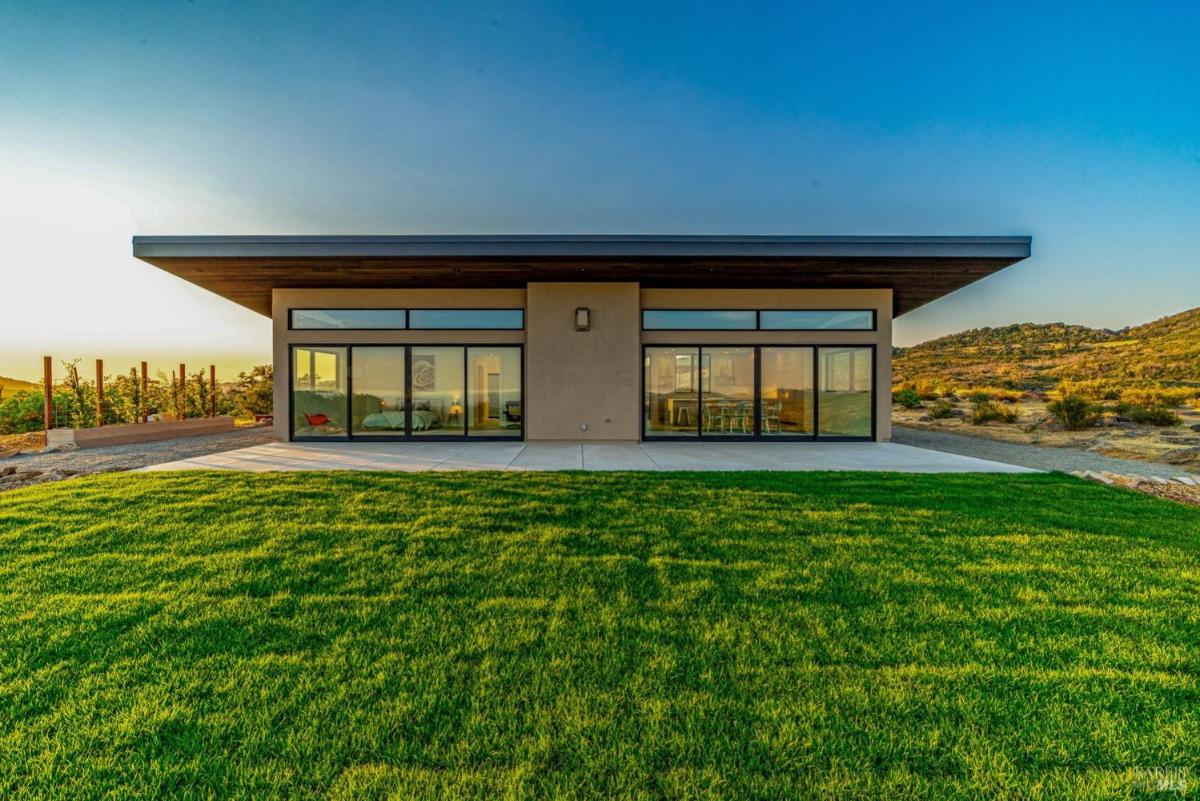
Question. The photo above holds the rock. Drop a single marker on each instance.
(1195, 426)
(1182, 456)
(65, 446)
(8, 471)
(1191, 482)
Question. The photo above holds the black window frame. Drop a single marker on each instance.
(874, 320)
(408, 435)
(520, 327)
(699, 311)
(408, 310)
(758, 320)
(758, 436)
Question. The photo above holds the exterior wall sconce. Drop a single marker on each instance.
(583, 319)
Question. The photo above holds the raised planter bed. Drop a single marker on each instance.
(131, 433)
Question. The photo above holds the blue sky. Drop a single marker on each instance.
(1076, 123)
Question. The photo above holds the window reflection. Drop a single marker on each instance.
(437, 391)
(319, 392)
(787, 391)
(378, 408)
(671, 401)
(494, 391)
(844, 405)
(727, 382)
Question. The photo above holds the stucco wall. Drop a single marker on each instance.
(577, 378)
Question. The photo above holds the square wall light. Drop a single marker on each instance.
(583, 319)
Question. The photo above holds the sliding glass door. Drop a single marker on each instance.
(379, 407)
(788, 392)
(494, 407)
(760, 392)
(845, 398)
(672, 392)
(438, 391)
(727, 392)
(319, 392)
(406, 391)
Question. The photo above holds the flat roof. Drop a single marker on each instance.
(246, 268)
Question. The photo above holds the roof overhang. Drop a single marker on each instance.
(918, 269)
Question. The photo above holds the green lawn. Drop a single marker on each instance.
(744, 635)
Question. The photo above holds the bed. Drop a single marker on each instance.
(423, 420)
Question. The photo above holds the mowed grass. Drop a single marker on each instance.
(355, 635)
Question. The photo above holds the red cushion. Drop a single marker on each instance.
(316, 419)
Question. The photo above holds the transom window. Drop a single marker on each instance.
(758, 319)
(400, 319)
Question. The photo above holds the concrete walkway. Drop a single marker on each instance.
(420, 456)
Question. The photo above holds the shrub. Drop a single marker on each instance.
(927, 389)
(908, 398)
(1074, 412)
(1153, 416)
(986, 410)
(941, 409)
(254, 393)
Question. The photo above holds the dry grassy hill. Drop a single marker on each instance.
(1039, 356)
(11, 386)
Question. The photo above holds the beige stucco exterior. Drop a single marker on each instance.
(586, 384)
(582, 384)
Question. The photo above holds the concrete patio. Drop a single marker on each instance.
(420, 456)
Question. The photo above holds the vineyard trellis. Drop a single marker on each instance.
(132, 397)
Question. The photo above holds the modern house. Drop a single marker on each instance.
(685, 338)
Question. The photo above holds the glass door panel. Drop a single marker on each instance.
(672, 392)
(844, 404)
(319, 391)
(437, 375)
(494, 407)
(727, 392)
(378, 407)
(787, 389)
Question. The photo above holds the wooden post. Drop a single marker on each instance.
(212, 380)
(48, 391)
(144, 412)
(99, 392)
(182, 392)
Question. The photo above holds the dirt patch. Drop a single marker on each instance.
(12, 444)
(1183, 489)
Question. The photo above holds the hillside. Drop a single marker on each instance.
(1038, 356)
(11, 386)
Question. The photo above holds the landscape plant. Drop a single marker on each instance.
(941, 409)
(908, 398)
(74, 399)
(985, 410)
(1153, 416)
(1074, 412)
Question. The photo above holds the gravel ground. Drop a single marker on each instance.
(128, 457)
(1037, 457)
